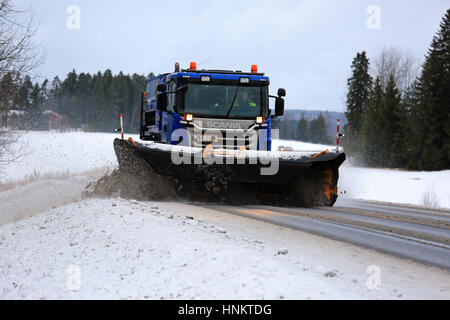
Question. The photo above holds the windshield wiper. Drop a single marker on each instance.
(232, 103)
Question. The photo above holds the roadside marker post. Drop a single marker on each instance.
(121, 125)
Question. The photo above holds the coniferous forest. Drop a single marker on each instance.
(90, 102)
(401, 124)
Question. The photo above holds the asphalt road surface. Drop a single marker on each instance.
(421, 235)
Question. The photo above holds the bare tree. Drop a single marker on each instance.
(19, 55)
(18, 51)
(403, 65)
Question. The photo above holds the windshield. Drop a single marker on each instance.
(225, 100)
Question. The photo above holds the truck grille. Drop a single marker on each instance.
(231, 142)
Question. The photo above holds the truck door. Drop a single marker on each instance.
(167, 120)
(149, 117)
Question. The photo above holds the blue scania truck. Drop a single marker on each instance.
(219, 107)
(224, 111)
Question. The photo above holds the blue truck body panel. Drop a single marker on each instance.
(165, 123)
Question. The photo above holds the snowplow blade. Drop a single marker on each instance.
(303, 181)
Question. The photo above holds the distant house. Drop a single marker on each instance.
(55, 120)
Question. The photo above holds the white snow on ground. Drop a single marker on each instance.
(307, 152)
(429, 189)
(54, 153)
(100, 249)
(301, 146)
(27, 199)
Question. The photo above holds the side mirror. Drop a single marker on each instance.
(161, 101)
(281, 92)
(279, 107)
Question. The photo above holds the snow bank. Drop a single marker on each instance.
(53, 153)
(429, 189)
(30, 198)
(222, 152)
(301, 146)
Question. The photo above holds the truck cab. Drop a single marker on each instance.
(197, 108)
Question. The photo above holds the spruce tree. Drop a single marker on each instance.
(392, 143)
(54, 99)
(359, 87)
(319, 130)
(408, 101)
(34, 113)
(303, 129)
(99, 106)
(430, 111)
(23, 99)
(69, 106)
(84, 87)
(373, 126)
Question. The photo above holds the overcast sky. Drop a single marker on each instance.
(305, 47)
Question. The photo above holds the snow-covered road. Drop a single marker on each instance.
(115, 248)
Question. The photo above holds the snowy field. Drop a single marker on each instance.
(52, 153)
(427, 189)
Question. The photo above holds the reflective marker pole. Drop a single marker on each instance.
(121, 125)
(337, 136)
